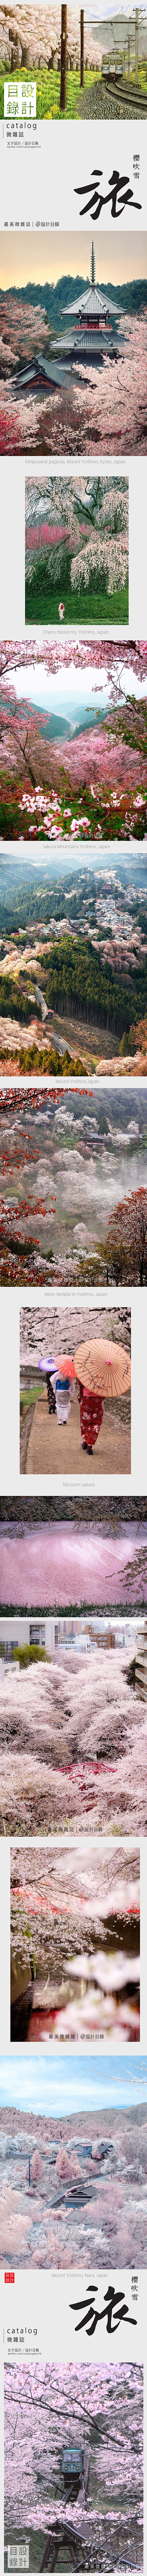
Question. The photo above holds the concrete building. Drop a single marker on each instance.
(102, 1633)
(27, 1632)
(49, 1634)
(56, 1633)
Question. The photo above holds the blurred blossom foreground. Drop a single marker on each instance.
(75, 1942)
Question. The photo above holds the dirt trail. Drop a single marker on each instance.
(57, 1451)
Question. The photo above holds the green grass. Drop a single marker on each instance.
(29, 1396)
(83, 607)
(48, 90)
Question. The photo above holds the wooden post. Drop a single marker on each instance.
(136, 45)
(63, 59)
(82, 51)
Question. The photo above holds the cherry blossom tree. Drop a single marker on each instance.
(126, 1246)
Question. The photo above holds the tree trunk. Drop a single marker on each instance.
(63, 58)
(82, 50)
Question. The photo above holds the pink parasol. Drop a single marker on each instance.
(104, 1366)
(64, 1362)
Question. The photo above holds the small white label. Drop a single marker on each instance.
(19, 99)
(18, 2554)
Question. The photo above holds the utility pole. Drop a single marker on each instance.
(128, 58)
(63, 59)
(136, 45)
(82, 51)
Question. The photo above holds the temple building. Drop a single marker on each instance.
(90, 315)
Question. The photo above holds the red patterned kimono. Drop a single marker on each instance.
(91, 1415)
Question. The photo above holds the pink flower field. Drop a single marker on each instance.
(80, 1561)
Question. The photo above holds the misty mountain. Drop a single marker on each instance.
(26, 892)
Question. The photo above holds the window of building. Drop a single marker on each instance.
(34, 1635)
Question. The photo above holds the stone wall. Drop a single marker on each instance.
(33, 37)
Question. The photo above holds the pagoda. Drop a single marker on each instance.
(92, 315)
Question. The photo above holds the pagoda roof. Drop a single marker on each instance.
(92, 303)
